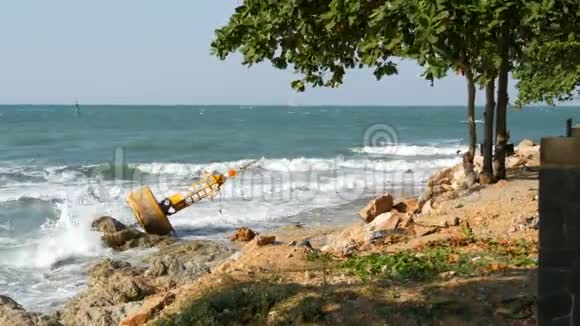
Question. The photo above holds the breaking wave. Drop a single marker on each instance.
(410, 150)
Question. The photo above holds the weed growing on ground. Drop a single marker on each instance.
(466, 256)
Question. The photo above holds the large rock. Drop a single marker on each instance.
(527, 153)
(385, 221)
(118, 236)
(13, 314)
(117, 289)
(376, 207)
(107, 224)
(409, 205)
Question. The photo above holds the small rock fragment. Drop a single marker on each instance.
(243, 234)
(263, 240)
(447, 275)
(377, 235)
(305, 243)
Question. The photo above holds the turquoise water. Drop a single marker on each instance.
(56, 135)
(59, 170)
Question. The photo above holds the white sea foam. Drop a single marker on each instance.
(266, 195)
(410, 150)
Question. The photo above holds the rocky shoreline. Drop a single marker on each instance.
(160, 284)
(119, 288)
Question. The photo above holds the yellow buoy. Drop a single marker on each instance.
(148, 212)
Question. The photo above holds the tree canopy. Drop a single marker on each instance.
(322, 39)
(549, 69)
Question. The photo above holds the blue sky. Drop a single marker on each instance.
(157, 52)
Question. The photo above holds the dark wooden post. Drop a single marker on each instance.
(569, 127)
(559, 261)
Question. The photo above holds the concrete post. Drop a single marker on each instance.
(559, 261)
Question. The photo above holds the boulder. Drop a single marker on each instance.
(376, 207)
(408, 205)
(107, 224)
(13, 314)
(386, 221)
(119, 237)
(243, 234)
(263, 240)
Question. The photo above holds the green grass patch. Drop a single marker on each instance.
(466, 257)
(318, 256)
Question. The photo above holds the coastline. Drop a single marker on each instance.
(304, 262)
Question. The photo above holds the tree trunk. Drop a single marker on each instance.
(471, 111)
(486, 176)
(468, 158)
(501, 136)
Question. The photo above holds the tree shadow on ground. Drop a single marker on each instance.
(523, 173)
(501, 298)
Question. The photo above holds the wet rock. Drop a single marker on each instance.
(117, 288)
(243, 234)
(263, 240)
(13, 314)
(119, 237)
(107, 224)
(376, 207)
(408, 205)
(114, 288)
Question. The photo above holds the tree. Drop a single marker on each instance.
(549, 70)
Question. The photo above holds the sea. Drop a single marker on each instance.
(60, 168)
